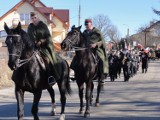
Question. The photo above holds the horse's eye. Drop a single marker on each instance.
(8, 40)
(74, 33)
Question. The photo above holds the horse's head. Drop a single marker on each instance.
(72, 39)
(14, 44)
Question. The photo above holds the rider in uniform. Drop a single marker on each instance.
(39, 33)
(95, 40)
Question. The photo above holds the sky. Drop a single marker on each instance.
(124, 14)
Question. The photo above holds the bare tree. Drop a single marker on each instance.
(113, 33)
(146, 26)
(103, 23)
(156, 11)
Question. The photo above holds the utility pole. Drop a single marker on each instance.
(79, 14)
(127, 36)
(145, 37)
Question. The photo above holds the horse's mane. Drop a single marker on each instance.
(26, 39)
(84, 38)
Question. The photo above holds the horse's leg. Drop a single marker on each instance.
(62, 99)
(81, 88)
(20, 103)
(52, 95)
(88, 97)
(92, 87)
(37, 96)
(99, 87)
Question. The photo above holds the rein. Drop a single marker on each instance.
(76, 48)
(79, 48)
(14, 35)
(20, 62)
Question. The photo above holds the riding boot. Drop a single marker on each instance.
(73, 67)
(73, 64)
(104, 74)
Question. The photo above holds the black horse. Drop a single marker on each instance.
(87, 68)
(29, 75)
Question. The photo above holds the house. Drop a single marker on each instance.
(57, 20)
(149, 37)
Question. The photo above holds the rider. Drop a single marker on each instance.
(95, 40)
(39, 33)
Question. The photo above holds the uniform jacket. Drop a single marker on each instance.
(95, 36)
(40, 32)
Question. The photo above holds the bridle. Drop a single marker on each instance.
(14, 36)
(20, 62)
(75, 48)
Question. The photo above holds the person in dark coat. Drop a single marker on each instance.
(95, 39)
(144, 62)
(40, 34)
(113, 65)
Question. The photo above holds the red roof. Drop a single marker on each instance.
(62, 14)
(57, 46)
(45, 9)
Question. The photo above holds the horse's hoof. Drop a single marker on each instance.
(91, 102)
(53, 113)
(81, 112)
(87, 115)
(97, 104)
(62, 117)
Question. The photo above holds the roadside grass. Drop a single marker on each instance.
(5, 75)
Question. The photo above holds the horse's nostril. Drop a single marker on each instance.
(63, 45)
(18, 52)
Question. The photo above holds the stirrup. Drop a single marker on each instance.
(73, 78)
(51, 80)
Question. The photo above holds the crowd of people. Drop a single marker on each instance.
(128, 61)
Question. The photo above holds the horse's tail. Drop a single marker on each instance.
(66, 78)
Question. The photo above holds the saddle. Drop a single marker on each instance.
(40, 60)
(95, 57)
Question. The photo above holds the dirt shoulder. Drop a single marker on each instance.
(5, 75)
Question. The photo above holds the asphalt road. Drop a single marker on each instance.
(138, 99)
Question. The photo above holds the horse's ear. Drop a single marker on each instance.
(80, 27)
(6, 28)
(18, 28)
(73, 27)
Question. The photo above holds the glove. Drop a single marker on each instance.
(93, 45)
(38, 44)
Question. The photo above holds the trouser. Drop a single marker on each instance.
(73, 63)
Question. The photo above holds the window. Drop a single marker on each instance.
(25, 17)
